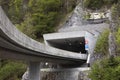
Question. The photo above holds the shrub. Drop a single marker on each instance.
(11, 69)
(118, 39)
(93, 4)
(97, 4)
(106, 69)
(102, 43)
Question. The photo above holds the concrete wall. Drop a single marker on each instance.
(68, 35)
(65, 74)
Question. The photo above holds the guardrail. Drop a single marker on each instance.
(96, 21)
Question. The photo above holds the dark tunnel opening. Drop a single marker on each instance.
(71, 44)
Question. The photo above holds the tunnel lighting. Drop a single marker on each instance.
(46, 63)
(80, 42)
(70, 44)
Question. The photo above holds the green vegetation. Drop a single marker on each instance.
(37, 17)
(118, 40)
(106, 69)
(94, 4)
(116, 20)
(116, 14)
(34, 18)
(11, 70)
(102, 43)
(87, 15)
(97, 4)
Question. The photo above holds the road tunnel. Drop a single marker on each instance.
(69, 44)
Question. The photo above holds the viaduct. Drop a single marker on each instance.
(66, 48)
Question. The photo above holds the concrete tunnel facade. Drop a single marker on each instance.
(78, 41)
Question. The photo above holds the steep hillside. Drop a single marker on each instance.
(36, 17)
(108, 48)
(98, 4)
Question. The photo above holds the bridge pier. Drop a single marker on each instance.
(34, 70)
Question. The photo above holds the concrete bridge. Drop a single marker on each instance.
(16, 45)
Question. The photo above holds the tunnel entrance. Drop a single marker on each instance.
(69, 44)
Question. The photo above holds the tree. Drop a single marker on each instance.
(37, 17)
(106, 69)
(97, 4)
(93, 4)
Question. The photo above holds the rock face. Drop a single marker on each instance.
(65, 75)
(112, 46)
(61, 75)
(75, 19)
(112, 43)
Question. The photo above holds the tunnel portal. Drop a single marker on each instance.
(69, 44)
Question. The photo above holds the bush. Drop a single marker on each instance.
(12, 70)
(106, 69)
(37, 17)
(118, 40)
(102, 43)
(93, 4)
(97, 4)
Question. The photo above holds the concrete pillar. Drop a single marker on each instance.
(34, 70)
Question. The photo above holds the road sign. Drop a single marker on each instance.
(86, 41)
(86, 47)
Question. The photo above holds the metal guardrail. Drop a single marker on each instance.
(96, 21)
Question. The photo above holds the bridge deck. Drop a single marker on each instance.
(15, 44)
